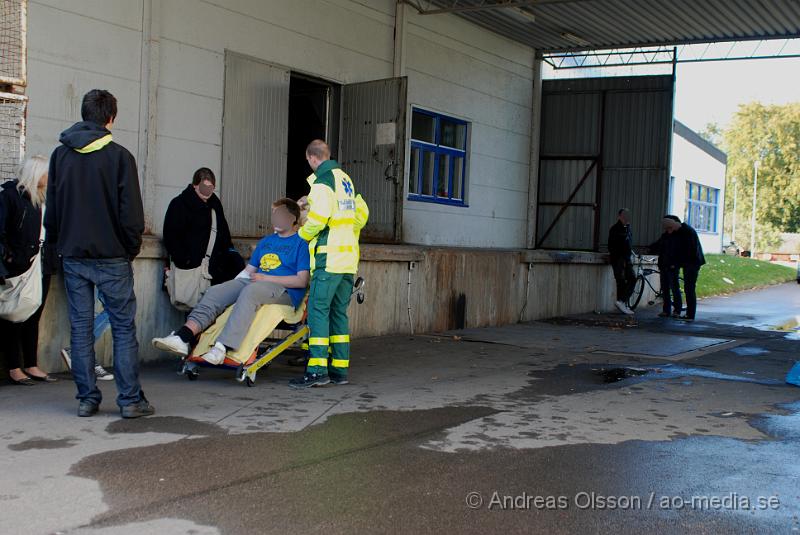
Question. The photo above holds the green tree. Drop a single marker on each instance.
(771, 135)
(713, 133)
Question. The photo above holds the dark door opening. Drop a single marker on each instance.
(312, 115)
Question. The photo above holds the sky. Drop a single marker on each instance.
(711, 92)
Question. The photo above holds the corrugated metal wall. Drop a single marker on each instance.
(254, 142)
(624, 127)
(372, 150)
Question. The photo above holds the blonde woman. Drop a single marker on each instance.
(21, 205)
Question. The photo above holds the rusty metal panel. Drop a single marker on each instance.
(572, 231)
(254, 142)
(373, 151)
(624, 124)
(636, 160)
(572, 122)
(562, 178)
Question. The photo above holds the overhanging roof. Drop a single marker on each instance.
(560, 25)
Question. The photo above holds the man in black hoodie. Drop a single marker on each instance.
(95, 219)
(620, 249)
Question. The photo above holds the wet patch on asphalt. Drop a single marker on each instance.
(165, 424)
(40, 443)
(365, 473)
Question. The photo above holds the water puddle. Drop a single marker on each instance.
(791, 326)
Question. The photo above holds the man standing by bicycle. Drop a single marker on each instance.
(669, 270)
(620, 249)
(691, 259)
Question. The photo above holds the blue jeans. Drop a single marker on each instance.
(671, 290)
(113, 279)
(101, 322)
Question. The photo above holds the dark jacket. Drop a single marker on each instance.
(20, 228)
(187, 226)
(620, 241)
(94, 206)
(689, 249)
(666, 249)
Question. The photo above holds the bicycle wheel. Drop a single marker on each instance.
(638, 291)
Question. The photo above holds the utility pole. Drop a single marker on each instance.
(753, 216)
(735, 194)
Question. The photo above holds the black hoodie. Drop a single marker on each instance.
(187, 226)
(94, 206)
(620, 241)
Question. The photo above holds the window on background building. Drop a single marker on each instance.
(702, 203)
(438, 158)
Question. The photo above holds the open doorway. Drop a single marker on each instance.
(313, 114)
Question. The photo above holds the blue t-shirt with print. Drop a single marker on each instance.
(283, 257)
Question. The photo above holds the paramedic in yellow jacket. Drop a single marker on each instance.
(335, 218)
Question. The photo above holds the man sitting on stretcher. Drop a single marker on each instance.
(278, 273)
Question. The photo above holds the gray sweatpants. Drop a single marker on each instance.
(247, 296)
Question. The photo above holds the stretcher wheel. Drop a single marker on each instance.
(190, 371)
(248, 381)
(240, 373)
(358, 289)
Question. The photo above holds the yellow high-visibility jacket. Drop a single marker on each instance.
(335, 219)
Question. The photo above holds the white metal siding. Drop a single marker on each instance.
(254, 142)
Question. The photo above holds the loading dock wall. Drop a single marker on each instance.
(500, 287)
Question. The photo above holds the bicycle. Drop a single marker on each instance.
(642, 280)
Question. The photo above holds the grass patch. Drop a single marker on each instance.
(741, 274)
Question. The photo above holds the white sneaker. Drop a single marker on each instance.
(65, 354)
(215, 355)
(172, 344)
(102, 374)
(623, 308)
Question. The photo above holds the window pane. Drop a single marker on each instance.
(458, 178)
(428, 161)
(443, 178)
(413, 172)
(453, 135)
(423, 128)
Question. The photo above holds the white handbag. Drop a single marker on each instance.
(187, 286)
(21, 296)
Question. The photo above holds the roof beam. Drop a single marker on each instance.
(421, 8)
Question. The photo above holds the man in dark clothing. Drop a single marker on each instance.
(95, 219)
(668, 267)
(690, 258)
(187, 228)
(620, 249)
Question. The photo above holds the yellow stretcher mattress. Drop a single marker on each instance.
(267, 318)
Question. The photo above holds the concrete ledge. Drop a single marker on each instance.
(152, 248)
(540, 256)
(391, 253)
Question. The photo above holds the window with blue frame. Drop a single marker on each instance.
(438, 158)
(702, 204)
